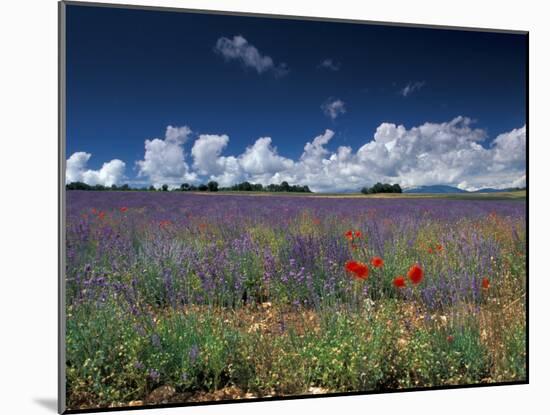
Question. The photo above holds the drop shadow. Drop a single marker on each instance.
(48, 403)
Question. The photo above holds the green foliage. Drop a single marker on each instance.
(382, 188)
(212, 186)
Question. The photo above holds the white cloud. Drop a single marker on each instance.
(239, 49)
(330, 64)
(432, 153)
(452, 153)
(262, 158)
(258, 163)
(412, 87)
(206, 153)
(333, 108)
(164, 159)
(110, 173)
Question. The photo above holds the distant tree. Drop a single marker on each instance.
(285, 187)
(203, 187)
(192, 188)
(184, 187)
(125, 187)
(164, 187)
(78, 186)
(382, 188)
(152, 188)
(212, 186)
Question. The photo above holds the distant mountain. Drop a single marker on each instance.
(491, 190)
(437, 188)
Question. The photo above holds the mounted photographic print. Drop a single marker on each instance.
(260, 207)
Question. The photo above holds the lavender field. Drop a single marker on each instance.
(182, 297)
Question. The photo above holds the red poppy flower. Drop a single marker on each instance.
(439, 247)
(377, 262)
(164, 223)
(485, 283)
(94, 211)
(358, 234)
(415, 274)
(123, 209)
(360, 270)
(430, 251)
(101, 215)
(349, 235)
(399, 281)
(450, 338)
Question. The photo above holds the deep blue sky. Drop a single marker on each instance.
(130, 73)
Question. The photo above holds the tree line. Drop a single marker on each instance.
(211, 186)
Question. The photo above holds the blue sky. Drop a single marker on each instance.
(133, 73)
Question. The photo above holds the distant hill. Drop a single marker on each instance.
(491, 190)
(441, 188)
(438, 188)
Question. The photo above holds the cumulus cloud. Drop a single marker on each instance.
(333, 108)
(206, 153)
(262, 158)
(330, 65)
(164, 159)
(412, 87)
(451, 153)
(110, 173)
(258, 163)
(238, 48)
(454, 153)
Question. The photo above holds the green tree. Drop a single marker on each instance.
(212, 186)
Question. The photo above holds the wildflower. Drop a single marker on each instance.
(399, 281)
(351, 235)
(154, 375)
(377, 262)
(101, 215)
(123, 209)
(430, 251)
(485, 283)
(415, 274)
(450, 338)
(360, 270)
(193, 353)
(155, 340)
(439, 247)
